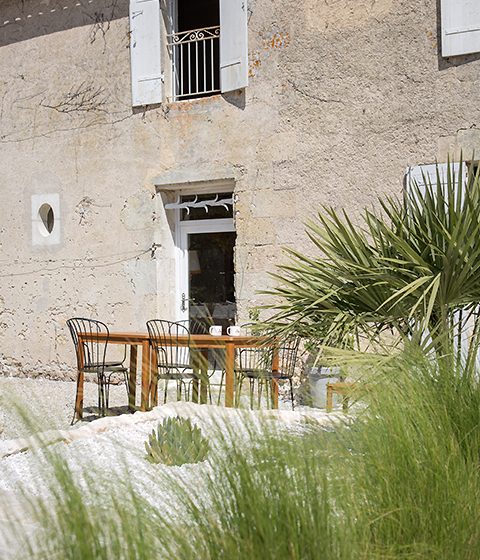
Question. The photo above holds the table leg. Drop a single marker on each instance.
(195, 361)
(146, 376)
(329, 398)
(132, 377)
(195, 390)
(79, 398)
(229, 374)
(204, 376)
(200, 383)
(153, 378)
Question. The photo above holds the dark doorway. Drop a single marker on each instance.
(211, 277)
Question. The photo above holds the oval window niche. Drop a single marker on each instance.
(47, 219)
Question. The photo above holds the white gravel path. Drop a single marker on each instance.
(112, 445)
(48, 404)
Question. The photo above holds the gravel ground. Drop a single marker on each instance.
(48, 404)
(108, 446)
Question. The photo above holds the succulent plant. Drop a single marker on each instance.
(176, 441)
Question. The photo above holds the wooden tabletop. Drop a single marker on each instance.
(203, 340)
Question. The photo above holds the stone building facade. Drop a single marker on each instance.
(342, 97)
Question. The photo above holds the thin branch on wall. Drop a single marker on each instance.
(101, 24)
(85, 98)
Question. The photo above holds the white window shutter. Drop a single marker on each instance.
(418, 173)
(233, 45)
(460, 27)
(145, 52)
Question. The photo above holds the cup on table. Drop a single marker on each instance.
(215, 330)
(233, 330)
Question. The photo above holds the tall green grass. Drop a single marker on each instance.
(400, 482)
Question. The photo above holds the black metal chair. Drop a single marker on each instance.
(195, 326)
(91, 358)
(172, 357)
(198, 326)
(256, 365)
(287, 362)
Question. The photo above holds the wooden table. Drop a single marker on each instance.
(343, 388)
(203, 342)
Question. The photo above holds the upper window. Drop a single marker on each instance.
(206, 44)
(194, 49)
(460, 27)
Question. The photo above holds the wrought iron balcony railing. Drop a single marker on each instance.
(195, 58)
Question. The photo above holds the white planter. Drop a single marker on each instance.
(318, 378)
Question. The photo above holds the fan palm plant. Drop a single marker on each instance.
(412, 269)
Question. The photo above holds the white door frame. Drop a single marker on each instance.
(182, 231)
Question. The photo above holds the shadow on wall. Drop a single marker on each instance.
(444, 63)
(21, 20)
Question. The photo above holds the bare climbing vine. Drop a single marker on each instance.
(101, 24)
(84, 98)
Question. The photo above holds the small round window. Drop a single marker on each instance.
(47, 219)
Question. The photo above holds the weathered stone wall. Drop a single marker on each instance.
(343, 96)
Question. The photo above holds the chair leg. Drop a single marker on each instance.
(268, 399)
(155, 391)
(291, 392)
(252, 387)
(272, 395)
(106, 387)
(107, 391)
(179, 390)
(101, 395)
(106, 382)
(209, 391)
(238, 392)
(99, 391)
(260, 387)
(165, 389)
(220, 389)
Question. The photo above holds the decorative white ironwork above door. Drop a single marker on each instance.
(187, 205)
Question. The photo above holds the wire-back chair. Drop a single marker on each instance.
(195, 326)
(91, 357)
(173, 357)
(287, 363)
(255, 364)
(215, 358)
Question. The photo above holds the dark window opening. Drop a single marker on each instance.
(193, 14)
